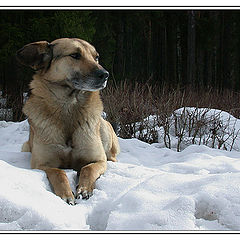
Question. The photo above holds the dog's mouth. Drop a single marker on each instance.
(90, 85)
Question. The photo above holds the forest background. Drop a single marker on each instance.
(157, 59)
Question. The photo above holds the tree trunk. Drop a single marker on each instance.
(191, 48)
(171, 74)
(183, 48)
(226, 50)
(120, 50)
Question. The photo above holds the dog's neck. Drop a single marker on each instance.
(66, 98)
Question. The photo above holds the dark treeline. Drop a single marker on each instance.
(173, 48)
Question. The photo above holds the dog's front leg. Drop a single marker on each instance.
(88, 176)
(60, 184)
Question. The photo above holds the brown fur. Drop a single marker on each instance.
(64, 112)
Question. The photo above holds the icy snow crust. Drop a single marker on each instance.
(150, 188)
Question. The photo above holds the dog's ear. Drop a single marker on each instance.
(37, 55)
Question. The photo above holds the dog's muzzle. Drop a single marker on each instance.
(97, 80)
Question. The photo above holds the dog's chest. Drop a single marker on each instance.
(79, 146)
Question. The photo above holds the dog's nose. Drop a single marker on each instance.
(102, 74)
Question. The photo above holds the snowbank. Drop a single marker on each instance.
(150, 188)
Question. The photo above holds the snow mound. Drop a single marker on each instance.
(150, 188)
(202, 126)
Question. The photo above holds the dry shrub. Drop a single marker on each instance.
(130, 107)
(127, 104)
(202, 126)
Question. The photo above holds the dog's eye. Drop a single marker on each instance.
(76, 55)
(97, 58)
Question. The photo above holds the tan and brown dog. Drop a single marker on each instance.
(64, 112)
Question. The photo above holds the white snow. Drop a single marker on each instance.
(149, 188)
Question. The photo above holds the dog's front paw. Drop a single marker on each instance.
(68, 198)
(84, 192)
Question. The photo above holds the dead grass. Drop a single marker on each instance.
(128, 105)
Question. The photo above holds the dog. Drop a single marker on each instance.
(64, 113)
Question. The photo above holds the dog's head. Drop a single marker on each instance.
(67, 61)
